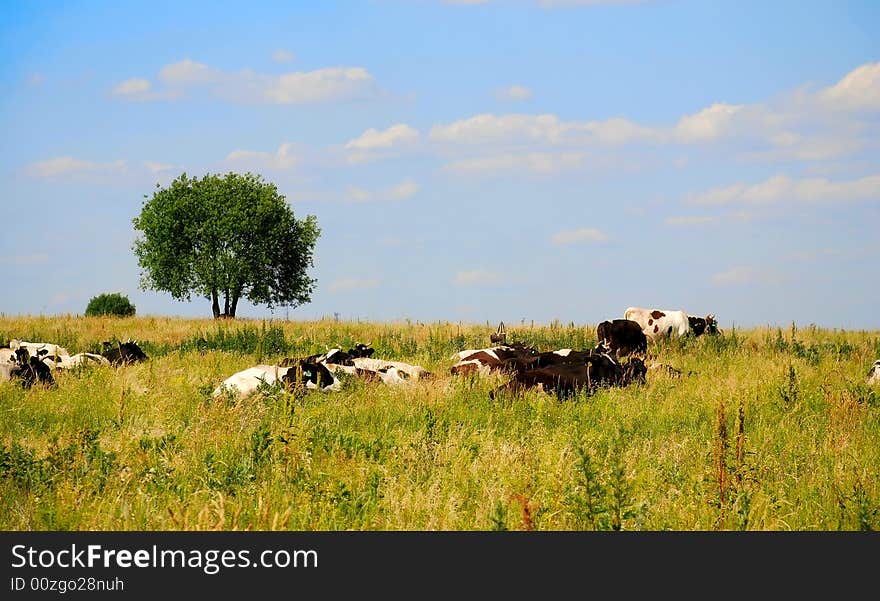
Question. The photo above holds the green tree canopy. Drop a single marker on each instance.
(232, 236)
(110, 304)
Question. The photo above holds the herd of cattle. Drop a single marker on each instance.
(617, 360)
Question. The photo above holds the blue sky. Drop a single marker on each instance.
(475, 161)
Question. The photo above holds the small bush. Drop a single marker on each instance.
(113, 304)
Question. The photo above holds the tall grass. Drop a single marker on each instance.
(775, 430)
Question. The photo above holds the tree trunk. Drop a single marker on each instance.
(233, 306)
(226, 304)
(215, 303)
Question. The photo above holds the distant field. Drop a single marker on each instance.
(776, 430)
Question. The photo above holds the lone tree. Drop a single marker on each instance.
(232, 236)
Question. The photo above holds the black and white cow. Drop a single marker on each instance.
(123, 353)
(703, 325)
(51, 350)
(311, 375)
(335, 355)
(622, 336)
(27, 367)
(874, 374)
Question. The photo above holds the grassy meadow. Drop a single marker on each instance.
(775, 430)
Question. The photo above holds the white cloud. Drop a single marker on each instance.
(283, 158)
(488, 128)
(811, 149)
(334, 83)
(247, 86)
(477, 277)
(555, 3)
(535, 162)
(690, 220)
(709, 124)
(780, 188)
(283, 56)
(373, 139)
(857, 90)
(349, 284)
(402, 191)
(188, 73)
(67, 166)
(131, 87)
(139, 89)
(579, 236)
(154, 167)
(734, 276)
(514, 92)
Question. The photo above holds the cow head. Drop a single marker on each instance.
(711, 324)
(361, 350)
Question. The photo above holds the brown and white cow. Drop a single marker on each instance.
(488, 359)
(659, 323)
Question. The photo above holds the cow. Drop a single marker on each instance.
(335, 355)
(403, 371)
(52, 350)
(659, 323)
(488, 359)
(6, 355)
(874, 374)
(701, 325)
(312, 376)
(566, 379)
(358, 362)
(27, 367)
(622, 337)
(46, 351)
(127, 352)
(71, 361)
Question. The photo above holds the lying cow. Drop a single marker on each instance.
(567, 379)
(622, 337)
(123, 353)
(401, 371)
(335, 355)
(77, 360)
(358, 362)
(312, 376)
(489, 359)
(46, 349)
(874, 374)
(27, 367)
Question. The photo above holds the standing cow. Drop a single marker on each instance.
(659, 323)
(622, 337)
